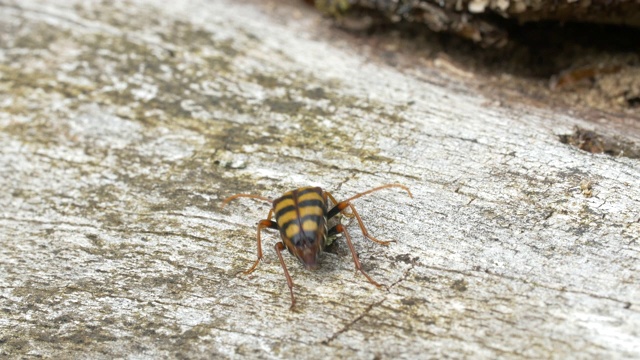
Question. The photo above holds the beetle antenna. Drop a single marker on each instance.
(380, 188)
(236, 196)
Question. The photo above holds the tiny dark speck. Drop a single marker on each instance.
(406, 258)
(316, 93)
(408, 302)
(459, 285)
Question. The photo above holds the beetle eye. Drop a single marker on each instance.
(303, 239)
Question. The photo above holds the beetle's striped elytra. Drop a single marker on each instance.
(301, 216)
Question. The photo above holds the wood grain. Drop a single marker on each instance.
(124, 125)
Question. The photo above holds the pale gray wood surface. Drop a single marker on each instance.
(123, 126)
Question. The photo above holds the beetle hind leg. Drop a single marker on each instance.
(345, 204)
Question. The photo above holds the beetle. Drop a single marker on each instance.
(302, 216)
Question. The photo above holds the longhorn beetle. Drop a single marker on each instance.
(301, 217)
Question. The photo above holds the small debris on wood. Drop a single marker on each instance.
(585, 74)
(590, 141)
(587, 188)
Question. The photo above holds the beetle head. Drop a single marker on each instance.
(306, 248)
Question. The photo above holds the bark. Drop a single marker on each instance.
(482, 21)
(124, 125)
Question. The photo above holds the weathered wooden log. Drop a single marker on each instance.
(123, 125)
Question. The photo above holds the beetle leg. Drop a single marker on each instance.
(279, 247)
(267, 223)
(236, 196)
(380, 188)
(341, 229)
(335, 202)
(341, 206)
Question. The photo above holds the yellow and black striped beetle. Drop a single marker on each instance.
(302, 217)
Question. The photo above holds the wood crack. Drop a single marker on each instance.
(366, 311)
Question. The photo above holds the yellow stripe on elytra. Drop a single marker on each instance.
(292, 230)
(283, 204)
(309, 225)
(309, 196)
(286, 217)
(310, 210)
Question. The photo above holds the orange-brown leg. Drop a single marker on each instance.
(335, 202)
(279, 247)
(236, 196)
(344, 205)
(380, 188)
(267, 223)
(341, 229)
(341, 206)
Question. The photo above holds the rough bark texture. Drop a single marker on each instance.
(123, 126)
(479, 21)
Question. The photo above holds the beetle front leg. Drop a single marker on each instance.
(279, 247)
(267, 223)
(341, 229)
